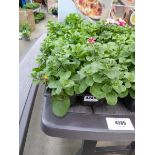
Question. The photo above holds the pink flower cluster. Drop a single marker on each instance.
(81, 1)
(91, 40)
(119, 22)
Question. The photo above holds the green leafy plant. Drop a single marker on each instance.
(39, 16)
(25, 30)
(31, 5)
(26, 34)
(78, 55)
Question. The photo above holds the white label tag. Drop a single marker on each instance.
(90, 99)
(119, 124)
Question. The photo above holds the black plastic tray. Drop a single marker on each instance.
(86, 125)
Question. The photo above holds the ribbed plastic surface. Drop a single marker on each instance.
(86, 125)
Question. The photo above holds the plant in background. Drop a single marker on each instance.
(54, 11)
(78, 55)
(26, 34)
(31, 6)
(119, 22)
(25, 30)
(39, 16)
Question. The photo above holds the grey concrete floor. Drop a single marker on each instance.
(40, 28)
(38, 143)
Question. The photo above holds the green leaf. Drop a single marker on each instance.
(60, 105)
(96, 90)
(111, 98)
(118, 86)
(92, 68)
(54, 84)
(65, 75)
(98, 78)
(122, 60)
(89, 80)
(83, 86)
(81, 74)
(75, 77)
(37, 69)
(66, 83)
(106, 88)
(69, 91)
(89, 58)
(96, 65)
(113, 73)
(112, 45)
(76, 89)
(123, 94)
(130, 76)
(127, 84)
(57, 91)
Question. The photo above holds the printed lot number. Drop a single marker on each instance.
(119, 124)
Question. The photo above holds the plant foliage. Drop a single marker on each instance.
(39, 16)
(25, 30)
(31, 5)
(69, 64)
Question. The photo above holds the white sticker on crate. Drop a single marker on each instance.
(119, 124)
(90, 99)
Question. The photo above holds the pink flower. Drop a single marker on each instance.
(91, 40)
(81, 1)
(121, 22)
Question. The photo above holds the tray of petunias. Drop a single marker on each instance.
(92, 62)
